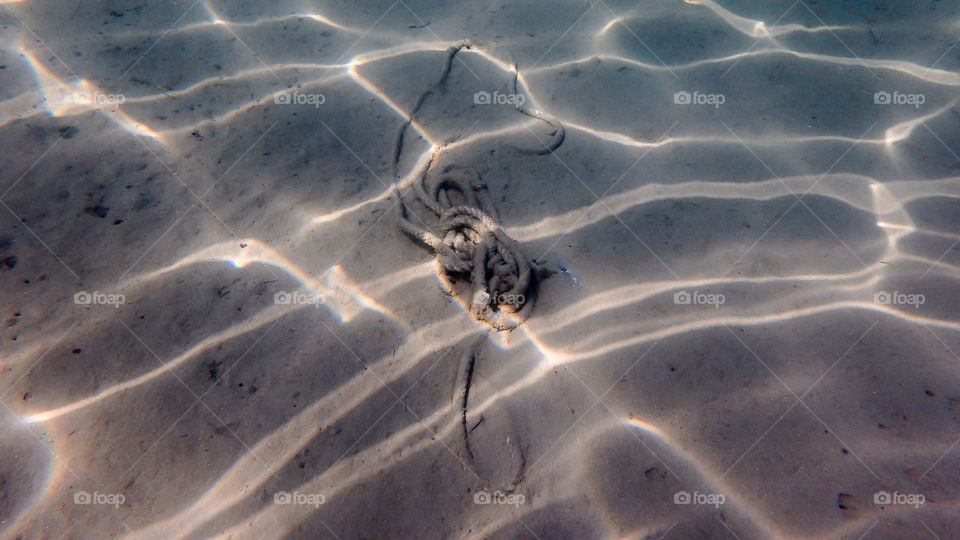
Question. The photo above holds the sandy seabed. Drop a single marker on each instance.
(213, 326)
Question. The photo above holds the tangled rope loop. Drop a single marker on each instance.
(471, 247)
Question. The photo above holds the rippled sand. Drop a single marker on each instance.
(755, 332)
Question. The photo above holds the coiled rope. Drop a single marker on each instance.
(471, 248)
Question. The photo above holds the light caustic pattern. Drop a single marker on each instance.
(764, 315)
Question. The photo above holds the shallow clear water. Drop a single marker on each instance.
(746, 323)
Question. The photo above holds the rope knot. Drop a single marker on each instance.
(471, 247)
